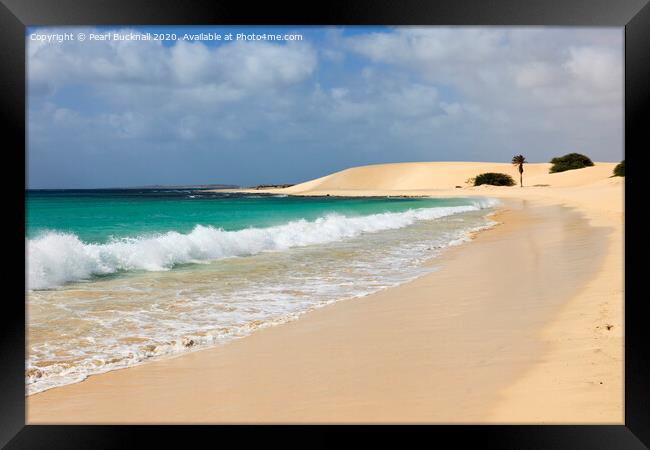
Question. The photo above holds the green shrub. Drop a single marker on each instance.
(570, 161)
(495, 179)
(619, 170)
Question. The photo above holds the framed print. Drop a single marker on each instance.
(366, 213)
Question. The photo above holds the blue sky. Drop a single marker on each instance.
(132, 113)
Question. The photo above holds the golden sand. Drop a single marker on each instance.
(523, 325)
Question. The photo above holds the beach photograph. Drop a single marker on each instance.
(324, 225)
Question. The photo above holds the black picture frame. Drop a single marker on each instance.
(634, 15)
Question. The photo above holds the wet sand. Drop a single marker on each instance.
(512, 327)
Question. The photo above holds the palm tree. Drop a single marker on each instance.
(520, 160)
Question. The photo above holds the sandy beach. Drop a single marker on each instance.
(524, 324)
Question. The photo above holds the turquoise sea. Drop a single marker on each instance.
(115, 277)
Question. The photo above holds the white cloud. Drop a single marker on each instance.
(190, 62)
(406, 93)
(260, 64)
(597, 67)
(535, 74)
(185, 91)
(429, 45)
(503, 65)
(339, 92)
(513, 81)
(253, 65)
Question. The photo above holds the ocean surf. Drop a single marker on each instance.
(118, 277)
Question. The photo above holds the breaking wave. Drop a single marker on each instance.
(54, 258)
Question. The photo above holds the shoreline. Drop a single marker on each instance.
(469, 234)
(99, 398)
(392, 278)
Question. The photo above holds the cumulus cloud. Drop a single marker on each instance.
(596, 67)
(247, 64)
(485, 63)
(567, 83)
(151, 88)
(239, 111)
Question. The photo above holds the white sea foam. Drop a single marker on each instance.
(55, 258)
(172, 316)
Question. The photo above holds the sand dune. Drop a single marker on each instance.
(443, 175)
(592, 188)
